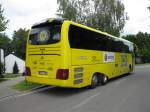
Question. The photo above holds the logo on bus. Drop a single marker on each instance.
(109, 57)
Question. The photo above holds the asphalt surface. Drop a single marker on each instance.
(130, 93)
(5, 87)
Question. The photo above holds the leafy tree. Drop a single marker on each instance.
(19, 42)
(3, 21)
(15, 69)
(149, 7)
(67, 9)
(5, 44)
(2, 69)
(105, 15)
(3, 26)
(142, 40)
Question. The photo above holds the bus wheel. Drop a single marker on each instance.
(94, 81)
(104, 80)
(130, 69)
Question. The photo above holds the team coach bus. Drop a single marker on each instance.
(67, 54)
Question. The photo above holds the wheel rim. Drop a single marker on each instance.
(94, 81)
(105, 79)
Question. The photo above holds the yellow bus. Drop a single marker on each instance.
(67, 54)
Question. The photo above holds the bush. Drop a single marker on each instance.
(15, 69)
(2, 70)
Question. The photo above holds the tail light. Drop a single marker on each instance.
(28, 71)
(62, 74)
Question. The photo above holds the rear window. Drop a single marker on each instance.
(43, 35)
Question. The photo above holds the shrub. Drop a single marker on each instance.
(2, 70)
(15, 69)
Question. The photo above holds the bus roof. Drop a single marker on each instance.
(61, 20)
(49, 20)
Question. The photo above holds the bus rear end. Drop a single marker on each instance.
(45, 62)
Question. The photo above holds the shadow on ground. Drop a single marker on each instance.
(63, 92)
(67, 92)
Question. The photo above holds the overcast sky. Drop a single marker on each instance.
(24, 13)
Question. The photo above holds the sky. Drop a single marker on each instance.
(24, 13)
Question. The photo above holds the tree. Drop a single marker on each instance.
(142, 40)
(19, 42)
(4, 40)
(2, 69)
(15, 69)
(67, 9)
(148, 7)
(105, 15)
(5, 44)
(3, 21)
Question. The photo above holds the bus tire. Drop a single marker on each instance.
(104, 80)
(130, 69)
(94, 81)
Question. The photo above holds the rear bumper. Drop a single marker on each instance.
(52, 82)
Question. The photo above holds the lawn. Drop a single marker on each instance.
(11, 75)
(8, 76)
(1, 80)
(24, 86)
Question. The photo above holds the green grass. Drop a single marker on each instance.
(11, 75)
(8, 76)
(24, 86)
(1, 80)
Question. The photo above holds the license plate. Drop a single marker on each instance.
(43, 73)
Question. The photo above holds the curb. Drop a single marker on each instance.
(19, 94)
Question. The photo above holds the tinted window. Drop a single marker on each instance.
(85, 39)
(81, 38)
